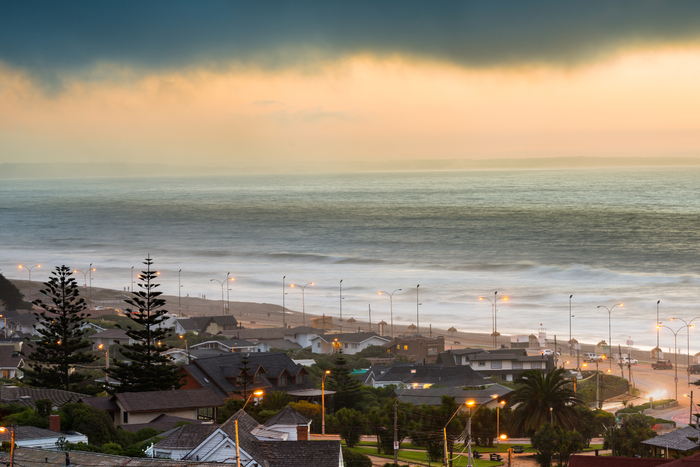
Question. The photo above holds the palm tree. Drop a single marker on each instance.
(541, 397)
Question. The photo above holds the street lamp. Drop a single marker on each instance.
(179, 287)
(494, 326)
(610, 328)
(84, 273)
(90, 289)
(238, 450)
(4, 429)
(498, 417)
(657, 327)
(29, 270)
(688, 325)
(106, 349)
(510, 449)
(228, 288)
(323, 401)
(223, 304)
(391, 306)
(675, 352)
(570, 297)
(417, 312)
(340, 300)
(444, 429)
(303, 301)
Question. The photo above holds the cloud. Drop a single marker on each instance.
(53, 39)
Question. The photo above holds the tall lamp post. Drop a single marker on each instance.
(444, 430)
(257, 393)
(84, 273)
(90, 289)
(29, 270)
(323, 401)
(570, 316)
(179, 294)
(417, 312)
(106, 349)
(223, 304)
(391, 307)
(340, 301)
(688, 325)
(12, 443)
(228, 288)
(610, 328)
(303, 301)
(284, 306)
(657, 325)
(675, 352)
(494, 326)
(498, 418)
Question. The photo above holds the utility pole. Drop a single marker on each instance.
(396, 431)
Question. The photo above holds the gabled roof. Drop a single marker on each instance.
(287, 416)
(23, 433)
(282, 344)
(212, 372)
(677, 440)
(200, 323)
(110, 334)
(450, 376)
(246, 424)
(224, 320)
(354, 337)
(25, 319)
(9, 357)
(153, 401)
(163, 422)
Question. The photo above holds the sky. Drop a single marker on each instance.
(269, 84)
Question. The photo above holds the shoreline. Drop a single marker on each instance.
(262, 315)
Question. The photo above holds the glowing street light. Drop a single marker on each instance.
(323, 401)
(494, 320)
(609, 310)
(391, 305)
(29, 270)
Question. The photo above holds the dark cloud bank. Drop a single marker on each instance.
(46, 37)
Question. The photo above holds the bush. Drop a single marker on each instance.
(355, 459)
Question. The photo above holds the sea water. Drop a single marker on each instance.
(605, 236)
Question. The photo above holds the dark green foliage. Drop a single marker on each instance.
(347, 388)
(484, 426)
(11, 297)
(310, 411)
(593, 423)
(430, 423)
(59, 351)
(148, 370)
(538, 392)
(43, 407)
(92, 422)
(351, 424)
(355, 459)
(245, 378)
(551, 441)
(629, 434)
(275, 401)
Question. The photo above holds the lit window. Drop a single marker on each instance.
(398, 346)
(405, 347)
(482, 363)
(205, 414)
(432, 350)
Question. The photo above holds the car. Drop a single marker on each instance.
(662, 365)
(546, 352)
(629, 361)
(591, 357)
(694, 369)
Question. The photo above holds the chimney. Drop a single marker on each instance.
(9, 393)
(55, 423)
(302, 433)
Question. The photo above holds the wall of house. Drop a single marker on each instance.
(145, 417)
(291, 429)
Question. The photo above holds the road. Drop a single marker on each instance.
(658, 384)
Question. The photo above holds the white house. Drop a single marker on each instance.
(349, 343)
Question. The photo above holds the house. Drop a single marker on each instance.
(33, 437)
(290, 421)
(11, 362)
(433, 396)
(505, 364)
(269, 371)
(349, 343)
(417, 348)
(128, 408)
(25, 323)
(257, 444)
(415, 376)
(109, 338)
(281, 344)
(206, 324)
(226, 346)
(301, 335)
(679, 443)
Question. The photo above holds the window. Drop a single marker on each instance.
(398, 346)
(353, 346)
(205, 413)
(405, 347)
(432, 350)
(300, 379)
(257, 378)
(282, 381)
(318, 345)
(126, 417)
(496, 365)
(346, 345)
(517, 365)
(482, 363)
(536, 365)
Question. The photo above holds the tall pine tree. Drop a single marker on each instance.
(58, 353)
(147, 369)
(347, 388)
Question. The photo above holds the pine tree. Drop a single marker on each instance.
(57, 354)
(347, 388)
(147, 369)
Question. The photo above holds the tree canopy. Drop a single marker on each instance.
(145, 368)
(58, 353)
(11, 297)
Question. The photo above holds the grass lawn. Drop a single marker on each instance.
(421, 457)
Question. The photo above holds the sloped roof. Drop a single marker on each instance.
(110, 334)
(27, 396)
(187, 436)
(450, 376)
(223, 320)
(23, 433)
(578, 460)
(690, 461)
(9, 358)
(152, 401)
(162, 422)
(25, 319)
(287, 416)
(246, 424)
(212, 372)
(103, 403)
(677, 440)
(354, 337)
(301, 453)
(433, 396)
(282, 344)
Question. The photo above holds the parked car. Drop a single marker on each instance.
(695, 369)
(546, 352)
(591, 357)
(662, 365)
(629, 361)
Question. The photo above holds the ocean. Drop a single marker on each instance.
(536, 236)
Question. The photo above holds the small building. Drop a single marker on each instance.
(433, 396)
(505, 364)
(11, 362)
(680, 443)
(292, 422)
(227, 346)
(322, 322)
(417, 348)
(109, 338)
(349, 343)
(418, 376)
